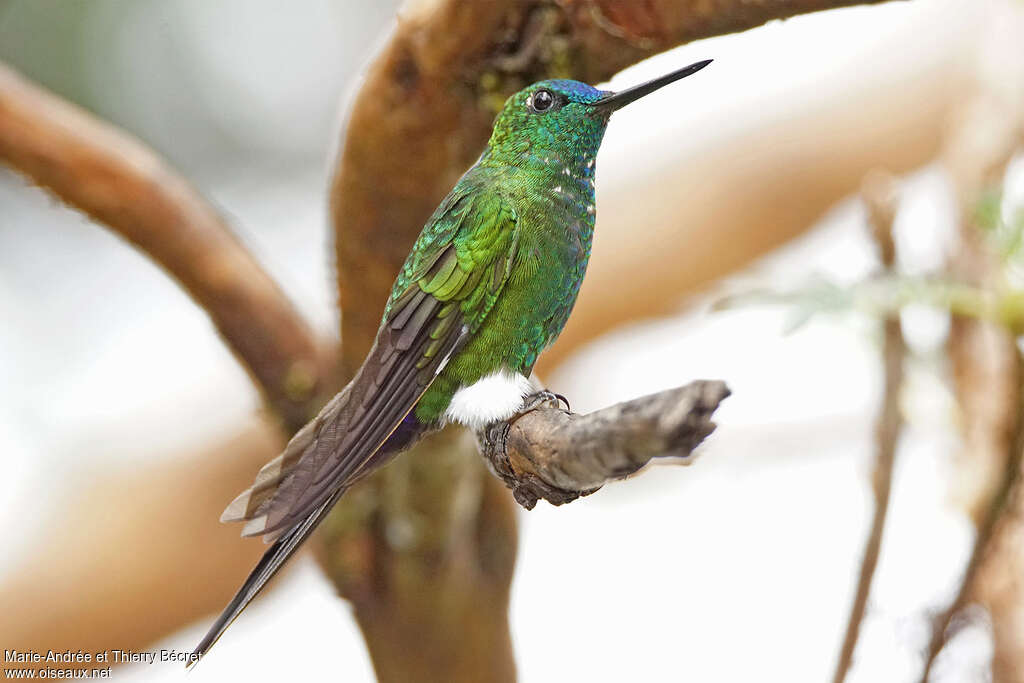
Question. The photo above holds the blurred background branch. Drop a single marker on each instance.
(116, 180)
(983, 138)
(880, 195)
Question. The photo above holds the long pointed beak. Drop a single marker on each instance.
(618, 100)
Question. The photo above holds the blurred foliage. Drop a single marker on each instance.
(1004, 229)
(42, 38)
(885, 295)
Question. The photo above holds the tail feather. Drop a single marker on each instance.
(358, 430)
(271, 562)
(266, 482)
(253, 501)
(408, 432)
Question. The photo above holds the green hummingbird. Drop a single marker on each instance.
(489, 284)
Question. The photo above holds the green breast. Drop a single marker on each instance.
(555, 223)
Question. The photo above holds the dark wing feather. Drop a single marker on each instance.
(294, 492)
(329, 451)
(447, 287)
(445, 290)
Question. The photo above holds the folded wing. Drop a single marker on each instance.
(445, 290)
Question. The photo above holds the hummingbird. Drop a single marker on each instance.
(489, 284)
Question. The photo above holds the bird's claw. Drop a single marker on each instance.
(538, 399)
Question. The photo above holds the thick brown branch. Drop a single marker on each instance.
(425, 551)
(560, 456)
(119, 182)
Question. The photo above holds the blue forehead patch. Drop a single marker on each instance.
(574, 90)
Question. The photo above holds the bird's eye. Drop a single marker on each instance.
(542, 100)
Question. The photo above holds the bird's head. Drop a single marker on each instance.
(561, 121)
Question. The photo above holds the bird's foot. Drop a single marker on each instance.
(531, 402)
(538, 399)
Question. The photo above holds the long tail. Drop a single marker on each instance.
(272, 561)
(285, 545)
(360, 429)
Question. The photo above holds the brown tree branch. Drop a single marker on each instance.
(122, 184)
(984, 535)
(988, 129)
(425, 551)
(559, 456)
(988, 372)
(879, 195)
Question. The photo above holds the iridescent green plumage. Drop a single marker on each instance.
(510, 243)
(489, 284)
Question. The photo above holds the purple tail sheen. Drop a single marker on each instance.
(406, 434)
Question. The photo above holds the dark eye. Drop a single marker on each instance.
(542, 100)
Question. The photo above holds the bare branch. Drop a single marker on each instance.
(879, 193)
(983, 540)
(987, 369)
(121, 183)
(560, 456)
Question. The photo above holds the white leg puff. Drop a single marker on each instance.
(492, 398)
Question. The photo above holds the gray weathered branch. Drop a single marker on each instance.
(559, 456)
